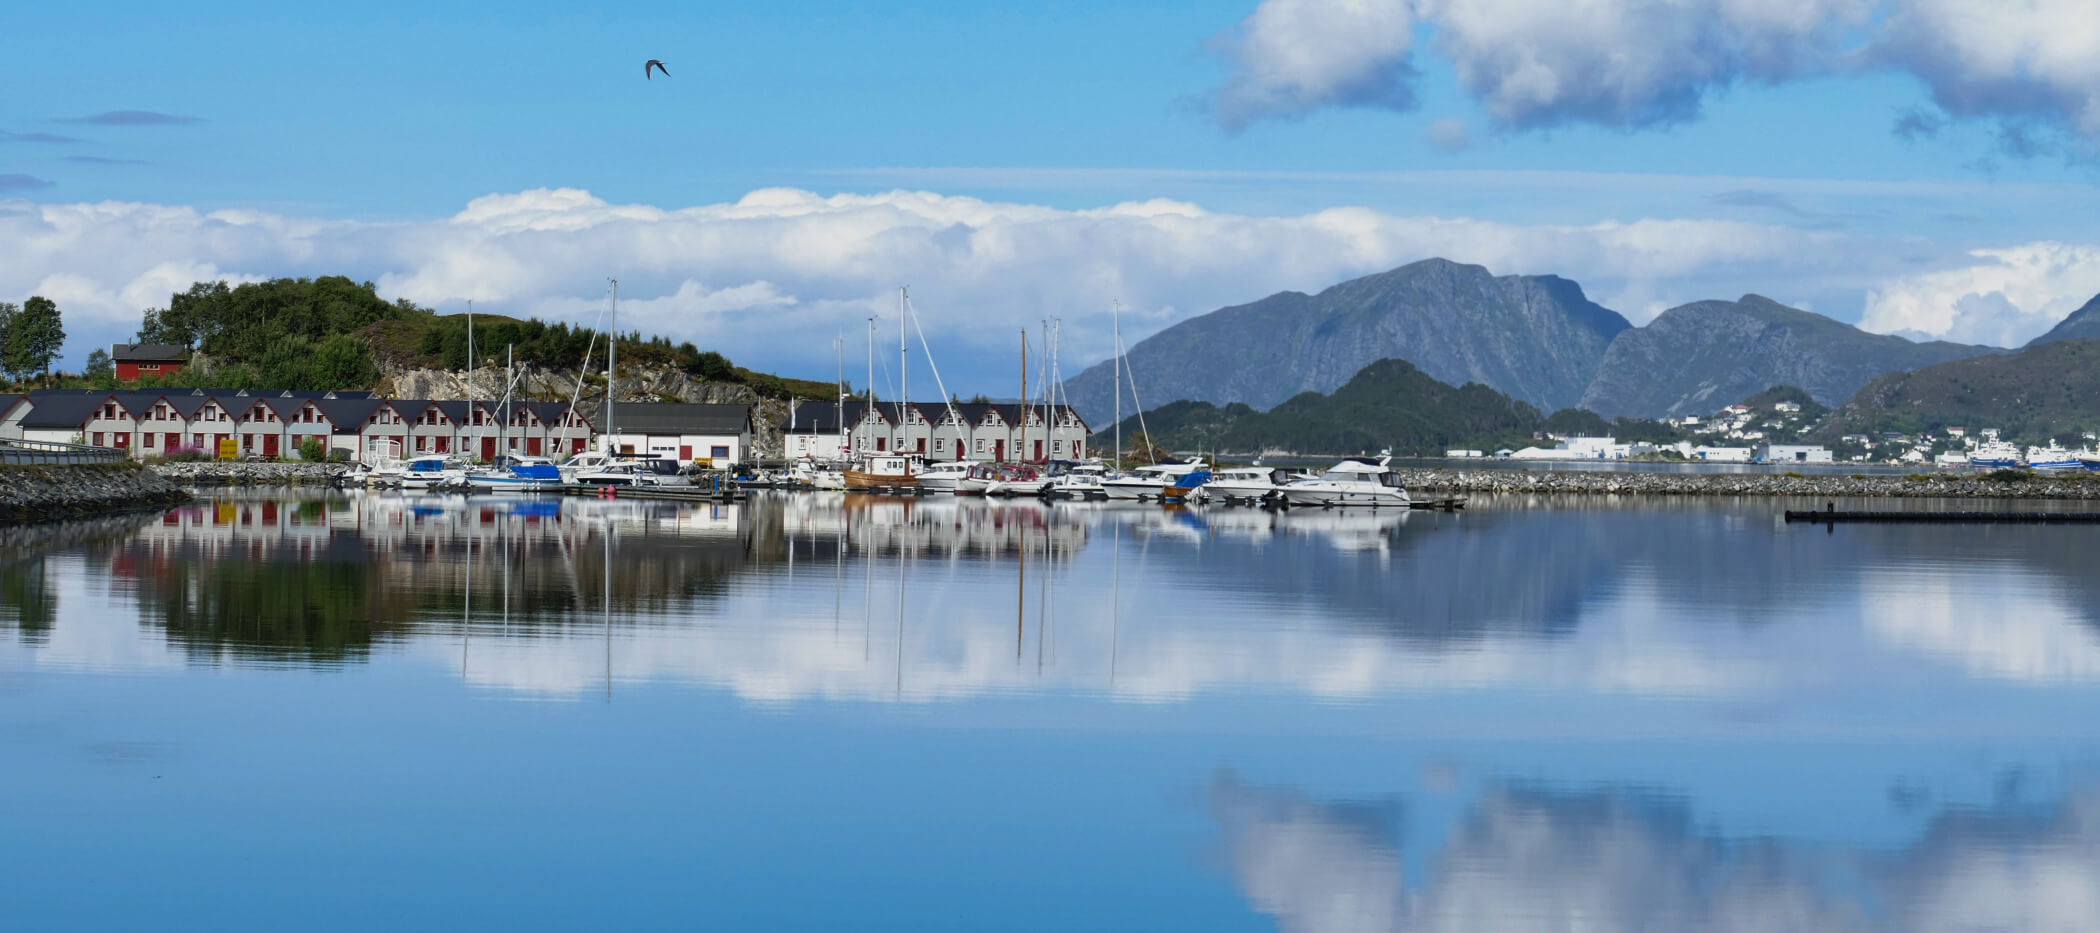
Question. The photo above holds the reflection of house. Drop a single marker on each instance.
(687, 432)
(135, 361)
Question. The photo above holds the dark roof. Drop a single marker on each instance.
(349, 413)
(146, 353)
(670, 418)
(188, 405)
(62, 411)
(8, 402)
(822, 417)
(550, 412)
(453, 409)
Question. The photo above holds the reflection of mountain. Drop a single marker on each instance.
(1530, 859)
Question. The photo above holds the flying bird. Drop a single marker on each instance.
(655, 65)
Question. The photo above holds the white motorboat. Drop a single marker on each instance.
(1147, 482)
(431, 471)
(521, 474)
(659, 472)
(944, 475)
(587, 462)
(1022, 485)
(1080, 482)
(1358, 482)
(1248, 484)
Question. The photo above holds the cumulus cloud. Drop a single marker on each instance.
(758, 277)
(2032, 68)
(2002, 297)
(1291, 57)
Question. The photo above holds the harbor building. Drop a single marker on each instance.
(135, 361)
(935, 430)
(716, 435)
(1794, 453)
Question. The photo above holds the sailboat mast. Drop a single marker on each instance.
(470, 371)
(839, 412)
(1021, 455)
(871, 372)
(903, 370)
(1116, 456)
(612, 344)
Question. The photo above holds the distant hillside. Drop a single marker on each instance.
(1810, 408)
(1696, 358)
(2032, 395)
(1389, 403)
(1535, 338)
(2082, 323)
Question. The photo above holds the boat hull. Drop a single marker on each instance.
(1231, 491)
(1373, 498)
(1128, 490)
(855, 479)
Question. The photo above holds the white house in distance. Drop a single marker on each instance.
(1794, 453)
(716, 435)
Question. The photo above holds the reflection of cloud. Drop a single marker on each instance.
(1528, 859)
(2012, 626)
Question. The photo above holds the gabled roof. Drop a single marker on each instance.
(62, 411)
(9, 401)
(677, 418)
(187, 405)
(348, 413)
(147, 353)
(454, 409)
(551, 412)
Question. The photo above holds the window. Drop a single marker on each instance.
(940, 444)
(98, 438)
(882, 443)
(718, 451)
(980, 445)
(149, 438)
(196, 440)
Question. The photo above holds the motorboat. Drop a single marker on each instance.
(431, 471)
(1186, 487)
(1017, 481)
(1356, 482)
(1146, 482)
(586, 462)
(980, 478)
(1247, 484)
(656, 472)
(1080, 482)
(521, 474)
(943, 476)
(884, 471)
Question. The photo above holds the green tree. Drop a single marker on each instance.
(10, 313)
(99, 365)
(40, 333)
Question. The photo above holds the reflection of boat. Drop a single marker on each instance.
(1348, 530)
(884, 471)
(1359, 481)
(1146, 482)
(943, 476)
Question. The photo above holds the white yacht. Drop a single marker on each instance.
(1147, 482)
(944, 475)
(431, 471)
(658, 472)
(1362, 481)
(1080, 482)
(1252, 484)
(589, 461)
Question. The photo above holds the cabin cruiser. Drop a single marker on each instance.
(1248, 484)
(1147, 482)
(980, 478)
(651, 472)
(1017, 481)
(1186, 487)
(890, 470)
(1358, 481)
(1079, 482)
(585, 462)
(430, 471)
(517, 474)
(943, 476)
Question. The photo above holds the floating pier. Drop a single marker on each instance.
(1831, 516)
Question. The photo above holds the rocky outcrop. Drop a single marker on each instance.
(51, 493)
(1537, 339)
(639, 385)
(2083, 323)
(246, 473)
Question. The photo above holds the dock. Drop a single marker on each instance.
(1829, 516)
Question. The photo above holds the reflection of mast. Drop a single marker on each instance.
(900, 619)
(608, 594)
(1021, 588)
(1115, 602)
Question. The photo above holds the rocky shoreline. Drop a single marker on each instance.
(246, 473)
(53, 493)
(2074, 486)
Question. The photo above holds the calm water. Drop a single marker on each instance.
(821, 712)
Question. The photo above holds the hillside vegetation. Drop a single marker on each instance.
(2051, 390)
(334, 333)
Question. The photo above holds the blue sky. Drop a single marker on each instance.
(352, 139)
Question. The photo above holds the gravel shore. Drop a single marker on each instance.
(1914, 486)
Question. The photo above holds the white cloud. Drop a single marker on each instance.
(1291, 57)
(2030, 66)
(1449, 135)
(2004, 297)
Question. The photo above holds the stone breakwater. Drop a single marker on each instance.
(244, 473)
(1630, 483)
(50, 493)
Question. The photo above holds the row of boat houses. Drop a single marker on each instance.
(361, 425)
(988, 431)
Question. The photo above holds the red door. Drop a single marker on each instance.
(269, 445)
(999, 450)
(532, 446)
(170, 442)
(1039, 450)
(685, 452)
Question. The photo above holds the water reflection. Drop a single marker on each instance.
(1622, 858)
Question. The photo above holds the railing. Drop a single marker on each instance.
(50, 453)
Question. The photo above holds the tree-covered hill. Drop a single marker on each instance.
(334, 333)
(2050, 390)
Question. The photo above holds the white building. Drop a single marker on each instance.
(1722, 454)
(1794, 453)
(715, 435)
